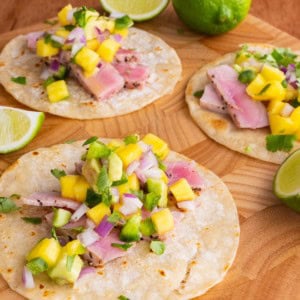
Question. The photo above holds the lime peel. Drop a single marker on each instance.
(18, 128)
(137, 10)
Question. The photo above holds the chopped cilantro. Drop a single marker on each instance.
(106, 197)
(53, 233)
(32, 220)
(69, 27)
(295, 103)
(139, 194)
(157, 247)
(198, 94)
(161, 165)
(121, 297)
(37, 265)
(284, 83)
(123, 22)
(264, 89)
(283, 56)
(90, 140)
(58, 173)
(92, 198)
(131, 139)
(280, 142)
(124, 246)
(115, 217)
(51, 22)
(70, 262)
(19, 79)
(103, 181)
(7, 205)
(80, 16)
(48, 81)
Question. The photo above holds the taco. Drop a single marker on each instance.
(120, 219)
(90, 67)
(249, 101)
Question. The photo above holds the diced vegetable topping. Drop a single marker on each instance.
(163, 221)
(97, 213)
(57, 91)
(159, 147)
(182, 191)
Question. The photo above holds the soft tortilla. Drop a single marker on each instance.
(165, 70)
(198, 253)
(220, 127)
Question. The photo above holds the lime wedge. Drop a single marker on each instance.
(18, 127)
(137, 10)
(286, 185)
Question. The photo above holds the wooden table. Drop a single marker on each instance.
(267, 265)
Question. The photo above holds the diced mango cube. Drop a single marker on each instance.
(295, 116)
(159, 147)
(93, 44)
(80, 189)
(182, 190)
(97, 213)
(73, 248)
(44, 49)
(271, 73)
(74, 187)
(87, 59)
(275, 107)
(47, 249)
(62, 33)
(129, 153)
(255, 87)
(107, 49)
(282, 125)
(114, 144)
(163, 220)
(132, 184)
(275, 91)
(63, 15)
(57, 91)
(291, 93)
(123, 32)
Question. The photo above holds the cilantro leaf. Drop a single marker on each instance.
(80, 16)
(103, 181)
(19, 79)
(123, 246)
(115, 217)
(264, 89)
(53, 233)
(106, 197)
(32, 220)
(37, 265)
(58, 173)
(121, 297)
(90, 140)
(198, 94)
(123, 22)
(92, 198)
(283, 56)
(280, 142)
(131, 139)
(157, 247)
(7, 205)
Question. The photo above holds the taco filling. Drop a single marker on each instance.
(258, 89)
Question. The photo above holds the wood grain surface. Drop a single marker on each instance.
(267, 265)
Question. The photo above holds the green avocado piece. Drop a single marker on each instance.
(61, 217)
(90, 170)
(115, 167)
(66, 270)
(160, 188)
(130, 231)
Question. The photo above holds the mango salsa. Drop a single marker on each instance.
(182, 191)
(159, 147)
(129, 153)
(44, 49)
(63, 14)
(87, 59)
(108, 49)
(163, 220)
(97, 213)
(74, 187)
(57, 91)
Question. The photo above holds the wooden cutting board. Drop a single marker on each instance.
(267, 265)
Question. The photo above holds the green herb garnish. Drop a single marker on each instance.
(19, 79)
(161, 165)
(131, 139)
(123, 22)
(246, 76)
(90, 140)
(69, 27)
(103, 181)
(32, 220)
(57, 173)
(121, 297)
(106, 197)
(280, 142)
(80, 16)
(123, 180)
(124, 246)
(283, 56)
(264, 89)
(7, 205)
(284, 83)
(70, 262)
(37, 265)
(295, 103)
(198, 94)
(157, 247)
(51, 22)
(48, 81)
(92, 198)
(115, 217)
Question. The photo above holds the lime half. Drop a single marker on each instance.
(137, 10)
(18, 127)
(286, 185)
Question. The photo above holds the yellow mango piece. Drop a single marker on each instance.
(282, 125)
(255, 87)
(45, 50)
(93, 44)
(80, 189)
(114, 144)
(159, 146)
(74, 187)
(291, 93)
(295, 116)
(87, 59)
(275, 91)
(107, 49)
(275, 107)
(297, 133)
(123, 32)
(242, 57)
(270, 73)
(62, 15)
(132, 184)
(97, 213)
(163, 220)
(57, 91)
(62, 32)
(73, 248)
(182, 190)
(129, 153)
(47, 249)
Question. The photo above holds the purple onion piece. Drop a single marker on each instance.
(86, 270)
(118, 38)
(54, 65)
(104, 228)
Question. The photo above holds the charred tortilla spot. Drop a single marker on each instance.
(100, 272)
(32, 233)
(2, 64)
(35, 153)
(9, 270)
(218, 124)
(162, 272)
(124, 263)
(189, 90)
(41, 286)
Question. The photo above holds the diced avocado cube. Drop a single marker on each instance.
(163, 220)
(44, 49)
(115, 167)
(57, 91)
(182, 191)
(61, 217)
(147, 227)
(159, 147)
(98, 150)
(87, 59)
(107, 49)
(129, 153)
(151, 201)
(47, 249)
(66, 270)
(97, 213)
(130, 231)
(160, 188)
(91, 170)
(73, 248)
(63, 15)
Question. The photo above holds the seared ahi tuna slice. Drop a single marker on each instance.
(212, 101)
(104, 83)
(244, 111)
(135, 75)
(127, 56)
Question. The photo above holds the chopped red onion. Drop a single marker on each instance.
(141, 176)
(54, 65)
(104, 228)
(27, 278)
(77, 35)
(79, 212)
(32, 39)
(99, 65)
(58, 39)
(186, 205)
(70, 14)
(132, 167)
(154, 173)
(45, 74)
(75, 48)
(131, 203)
(115, 194)
(102, 35)
(86, 270)
(88, 237)
(90, 223)
(145, 147)
(78, 167)
(74, 224)
(118, 38)
(148, 160)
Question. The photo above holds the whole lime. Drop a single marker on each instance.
(212, 17)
